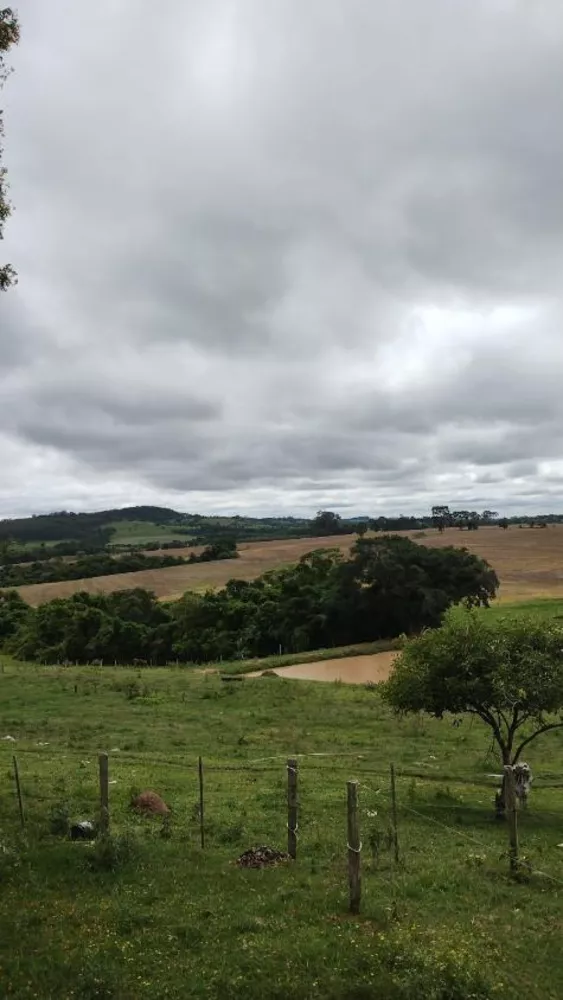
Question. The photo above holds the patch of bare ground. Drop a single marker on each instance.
(349, 669)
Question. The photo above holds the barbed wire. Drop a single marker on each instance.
(184, 763)
(522, 863)
(451, 829)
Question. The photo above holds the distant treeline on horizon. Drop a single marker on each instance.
(90, 532)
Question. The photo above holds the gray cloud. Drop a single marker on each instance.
(297, 255)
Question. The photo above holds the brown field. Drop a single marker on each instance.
(528, 561)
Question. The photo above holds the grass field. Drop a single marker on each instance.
(528, 561)
(152, 915)
(143, 532)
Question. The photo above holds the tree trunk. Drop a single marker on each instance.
(500, 797)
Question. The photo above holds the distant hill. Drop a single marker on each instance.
(147, 526)
(143, 525)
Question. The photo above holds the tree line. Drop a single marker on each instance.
(441, 517)
(63, 525)
(102, 564)
(11, 553)
(388, 586)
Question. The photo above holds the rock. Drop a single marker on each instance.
(11, 739)
(261, 857)
(268, 673)
(150, 804)
(83, 830)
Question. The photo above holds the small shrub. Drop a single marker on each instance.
(231, 834)
(423, 967)
(375, 841)
(111, 853)
(133, 690)
(475, 860)
(59, 819)
(444, 796)
(210, 695)
(10, 861)
(189, 936)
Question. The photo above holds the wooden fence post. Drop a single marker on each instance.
(104, 793)
(19, 791)
(510, 804)
(394, 814)
(354, 847)
(292, 807)
(201, 818)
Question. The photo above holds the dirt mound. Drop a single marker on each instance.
(261, 857)
(150, 804)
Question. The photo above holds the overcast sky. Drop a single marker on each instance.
(279, 255)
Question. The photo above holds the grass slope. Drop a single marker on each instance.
(153, 916)
(142, 532)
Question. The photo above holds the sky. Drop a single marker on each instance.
(277, 256)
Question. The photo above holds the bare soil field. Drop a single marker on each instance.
(350, 669)
(528, 561)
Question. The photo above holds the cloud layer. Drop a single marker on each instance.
(280, 256)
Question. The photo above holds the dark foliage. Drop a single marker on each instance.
(9, 36)
(84, 567)
(225, 548)
(11, 554)
(64, 525)
(388, 587)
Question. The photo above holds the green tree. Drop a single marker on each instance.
(9, 35)
(326, 523)
(506, 671)
(392, 585)
(13, 612)
(488, 516)
(441, 517)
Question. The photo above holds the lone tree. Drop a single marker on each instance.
(9, 35)
(508, 672)
(441, 518)
(327, 523)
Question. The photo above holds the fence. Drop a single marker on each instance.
(347, 812)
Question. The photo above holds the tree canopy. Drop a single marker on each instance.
(328, 523)
(9, 35)
(506, 671)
